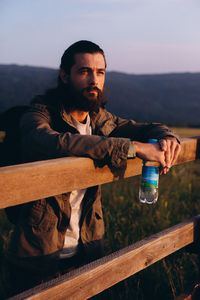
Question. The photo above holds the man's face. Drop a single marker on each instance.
(87, 75)
(85, 82)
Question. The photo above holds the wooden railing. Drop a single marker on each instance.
(32, 181)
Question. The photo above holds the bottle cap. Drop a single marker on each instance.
(152, 141)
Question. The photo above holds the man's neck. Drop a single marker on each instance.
(79, 116)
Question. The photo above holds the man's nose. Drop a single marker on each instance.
(93, 79)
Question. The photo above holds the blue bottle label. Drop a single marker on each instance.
(150, 176)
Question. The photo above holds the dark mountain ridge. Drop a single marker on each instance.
(169, 98)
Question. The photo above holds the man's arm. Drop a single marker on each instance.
(41, 141)
(139, 131)
(165, 152)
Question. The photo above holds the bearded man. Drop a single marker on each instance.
(56, 234)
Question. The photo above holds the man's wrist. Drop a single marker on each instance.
(131, 151)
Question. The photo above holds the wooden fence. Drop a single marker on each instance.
(32, 181)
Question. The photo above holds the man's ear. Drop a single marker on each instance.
(63, 76)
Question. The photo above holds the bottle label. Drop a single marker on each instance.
(150, 176)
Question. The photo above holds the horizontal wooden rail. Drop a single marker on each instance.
(27, 182)
(93, 278)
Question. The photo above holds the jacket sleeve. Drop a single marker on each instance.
(40, 141)
(140, 131)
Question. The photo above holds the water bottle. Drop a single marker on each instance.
(148, 192)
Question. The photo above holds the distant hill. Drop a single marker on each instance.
(18, 84)
(169, 98)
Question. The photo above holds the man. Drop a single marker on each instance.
(62, 232)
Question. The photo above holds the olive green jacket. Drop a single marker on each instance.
(48, 132)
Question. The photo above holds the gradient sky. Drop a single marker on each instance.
(138, 36)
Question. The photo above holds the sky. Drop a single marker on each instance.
(138, 36)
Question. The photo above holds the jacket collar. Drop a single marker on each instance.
(68, 118)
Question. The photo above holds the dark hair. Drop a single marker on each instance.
(67, 60)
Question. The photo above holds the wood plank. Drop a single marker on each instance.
(28, 182)
(32, 181)
(189, 150)
(91, 279)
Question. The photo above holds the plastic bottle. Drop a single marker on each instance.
(148, 192)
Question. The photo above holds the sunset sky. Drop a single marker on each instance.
(138, 36)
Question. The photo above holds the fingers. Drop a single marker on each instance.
(163, 145)
(162, 161)
(163, 170)
(168, 154)
(176, 153)
(172, 150)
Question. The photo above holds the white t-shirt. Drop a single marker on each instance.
(73, 232)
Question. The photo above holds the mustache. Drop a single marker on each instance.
(91, 89)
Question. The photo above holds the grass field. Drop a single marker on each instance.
(128, 221)
(186, 132)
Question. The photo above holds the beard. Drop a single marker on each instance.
(88, 99)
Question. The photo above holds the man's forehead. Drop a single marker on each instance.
(90, 60)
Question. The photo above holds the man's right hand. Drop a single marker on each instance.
(150, 152)
(154, 152)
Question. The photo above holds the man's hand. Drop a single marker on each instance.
(171, 148)
(165, 152)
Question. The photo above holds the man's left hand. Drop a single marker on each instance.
(172, 149)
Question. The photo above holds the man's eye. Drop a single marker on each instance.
(83, 72)
(101, 72)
